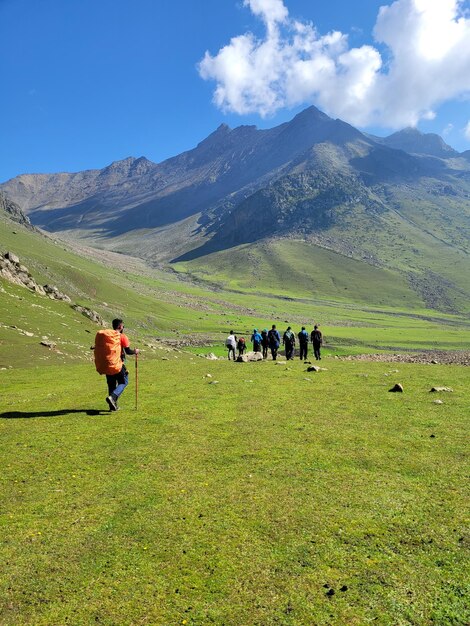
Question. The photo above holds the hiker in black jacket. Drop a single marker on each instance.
(288, 340)
(303, 343)
(317, 340)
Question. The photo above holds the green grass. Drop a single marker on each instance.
(158, 304)
(296, 269)
(237, 503)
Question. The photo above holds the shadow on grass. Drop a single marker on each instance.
(27, 414)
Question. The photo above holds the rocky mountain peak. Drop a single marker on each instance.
(414, 141)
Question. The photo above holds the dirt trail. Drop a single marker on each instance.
(434, 357)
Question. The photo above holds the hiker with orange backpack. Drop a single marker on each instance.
(111, 347)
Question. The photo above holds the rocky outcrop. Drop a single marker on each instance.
(14, 212)
(92, 315)
(14, 272)
(18, 274)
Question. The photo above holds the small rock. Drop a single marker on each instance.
(208, 375)
(439, 389)
(213, 382)
(437, 402)
(211, 357)
(397, 388)
(242, 358)
(48, 344)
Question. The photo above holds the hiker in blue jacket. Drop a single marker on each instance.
(274, 339)
(256, 339)
(303, 343)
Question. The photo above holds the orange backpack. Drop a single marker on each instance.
(108, 352)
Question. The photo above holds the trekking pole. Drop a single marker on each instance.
(136, 381)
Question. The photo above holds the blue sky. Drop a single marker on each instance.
(88, 82)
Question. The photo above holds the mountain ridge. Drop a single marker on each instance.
(313, 178)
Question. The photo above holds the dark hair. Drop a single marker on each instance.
(116, 323)
(315, 327)
(303, 327)
(274, 325)
(231, 332)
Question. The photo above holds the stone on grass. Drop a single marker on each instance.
(242, 358)
(254, 356)
(437, 402)
(398, 387)
(439, 389)
(48, 344)
(211, 357)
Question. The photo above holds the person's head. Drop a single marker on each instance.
(288, 328)
(315, 327)
(231, 332)
(265, 330)
(274, 327)
(255, 330)
(303, 327)
(118, 324)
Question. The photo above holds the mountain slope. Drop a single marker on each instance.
(313, 178)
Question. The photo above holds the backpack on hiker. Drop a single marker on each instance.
(108, 352)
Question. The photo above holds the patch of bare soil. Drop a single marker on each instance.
(434, 357)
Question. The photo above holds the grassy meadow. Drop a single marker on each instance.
(274, 496)
(259, 495)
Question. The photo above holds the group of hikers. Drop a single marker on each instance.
(112, 346)
(271, 340)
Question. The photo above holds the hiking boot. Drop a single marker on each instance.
(112, 403)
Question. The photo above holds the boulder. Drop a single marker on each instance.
(92, 315)
(48, 344)
(211, 357)
(12, 257)
(242, 358)
(439, 389)
(254, 356)
(55, 294)
(397, 388)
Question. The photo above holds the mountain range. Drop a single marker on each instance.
(401, 202)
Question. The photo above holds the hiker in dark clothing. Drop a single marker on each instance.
(303, 343)
(274, 339)
(288, 340)
(264, 342)
(256, 339)
(317, 340)
(241, 346)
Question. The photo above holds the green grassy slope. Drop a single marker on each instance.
(297, 269)
(158, 304)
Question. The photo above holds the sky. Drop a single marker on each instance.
(89, 82)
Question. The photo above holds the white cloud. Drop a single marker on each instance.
(447, 130)
(466, 131)
(427, 63)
